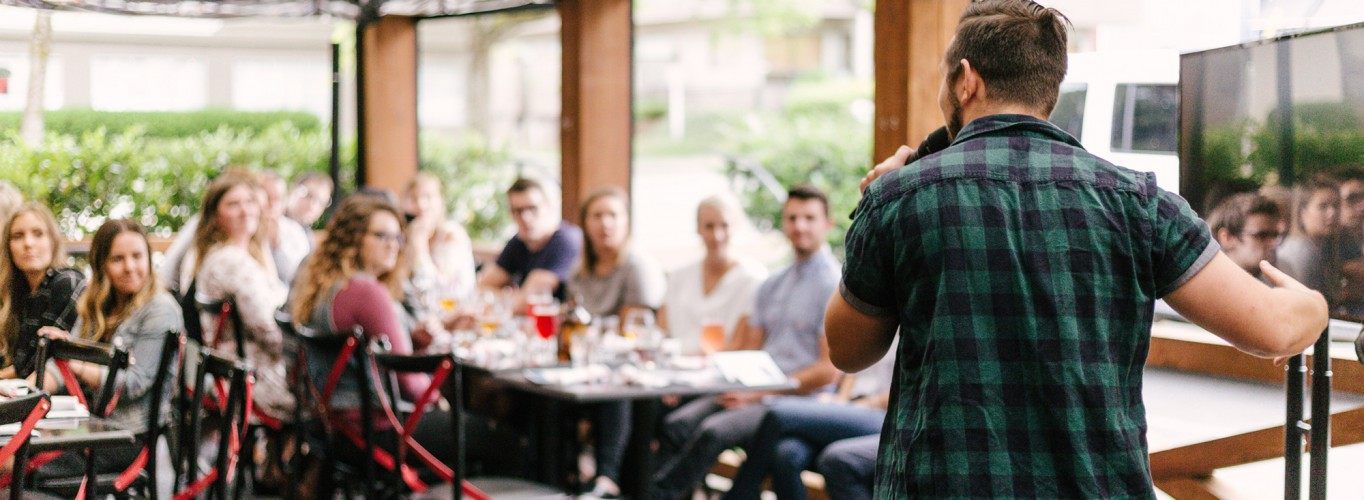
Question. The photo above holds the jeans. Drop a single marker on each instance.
(694, 435)
(792, 436)
(611, 423)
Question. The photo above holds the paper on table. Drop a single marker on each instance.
(750, 368)
(12, 429)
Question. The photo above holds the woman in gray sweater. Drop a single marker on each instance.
(123, 304)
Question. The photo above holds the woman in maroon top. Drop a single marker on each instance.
(355, 278)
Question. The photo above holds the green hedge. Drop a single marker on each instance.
(163, 123)
(91, 176)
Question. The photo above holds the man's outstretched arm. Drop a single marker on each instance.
(1264, 321)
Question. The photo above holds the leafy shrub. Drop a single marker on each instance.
(89, 177)
(163, 123)
(831, 151)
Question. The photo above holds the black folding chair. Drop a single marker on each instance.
(231, 386)
(346, 357)
(61, 352)
(139, 478)
(25, 411)
(445, 371)
(1320, 427)
(226, 313)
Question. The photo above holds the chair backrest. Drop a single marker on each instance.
(225, 313)
(445, 372)
(172, 350)
(346, 357)
(233, 377)
(113, 357)
(26, 411)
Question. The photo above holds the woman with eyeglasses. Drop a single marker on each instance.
(123, 301)
(36, 287)
(356, 278)
(230, 259)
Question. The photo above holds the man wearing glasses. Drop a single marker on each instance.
(541, 255)
(1249, 227)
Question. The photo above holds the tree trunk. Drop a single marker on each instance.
(480, 56)
(31, 128)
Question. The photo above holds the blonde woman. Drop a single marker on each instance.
(715, 292)
(230, 259)
(36, 287)
(441, 255)
(123, 302)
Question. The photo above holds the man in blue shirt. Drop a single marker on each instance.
(542, 254)
(786, 322)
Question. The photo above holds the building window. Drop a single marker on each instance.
(1145, 118)
(1069, 113)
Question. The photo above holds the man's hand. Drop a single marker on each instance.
(891, 164)
(1280, 279)
(53, 333)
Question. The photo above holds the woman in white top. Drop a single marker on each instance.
(716, 291)
(442, 257)
(236, 264)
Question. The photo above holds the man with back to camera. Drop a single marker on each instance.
(1022, 271)
(542, 254)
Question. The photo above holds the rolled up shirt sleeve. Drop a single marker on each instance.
(868, 267)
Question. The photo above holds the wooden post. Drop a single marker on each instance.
(389, 80)
(596, 115)
(911, 37)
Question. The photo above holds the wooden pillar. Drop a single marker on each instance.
(388, 107)
(596, 115)
(911, 38)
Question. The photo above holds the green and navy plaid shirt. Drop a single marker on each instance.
(1022, 271)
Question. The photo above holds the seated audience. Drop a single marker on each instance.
(1249, 227)
(236, 264)
(541, 255)
(788, 323)
(440, 252)
(1352, 204)
(717, 290)
(355, 278)
(123, 301)
(309, 198)
(838, 439)
(289, 241)
(612, 280)
(284, 251)
(36, 287)
(1315, 252)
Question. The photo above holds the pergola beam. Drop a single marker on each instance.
(596, 116)
(388, 102)
(911, 37)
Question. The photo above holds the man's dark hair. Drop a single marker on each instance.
(1232, 213)
(1350, 173)
(1017, 46)
(809, 192)
(524, 184)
